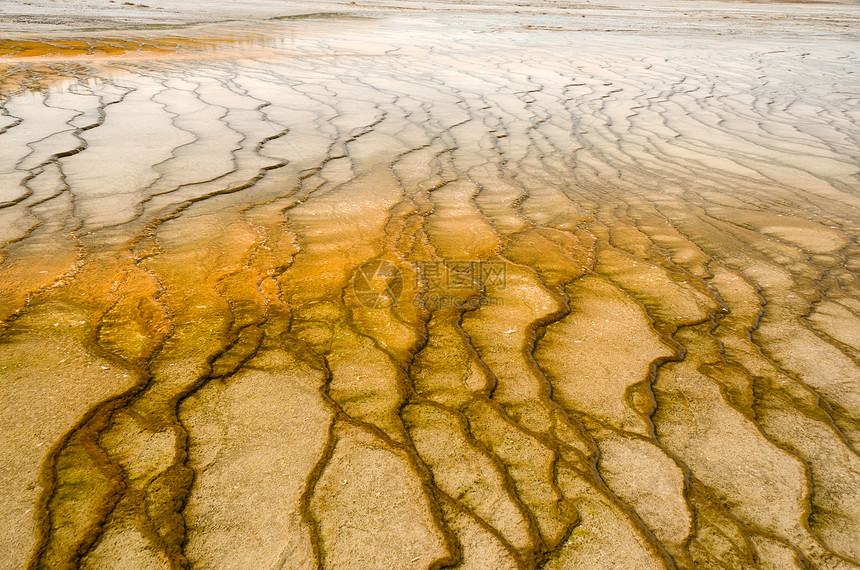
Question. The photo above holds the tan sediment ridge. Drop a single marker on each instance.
(460, 290)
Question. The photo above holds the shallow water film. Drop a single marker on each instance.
(444, 289)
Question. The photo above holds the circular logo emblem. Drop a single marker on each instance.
(377, 284)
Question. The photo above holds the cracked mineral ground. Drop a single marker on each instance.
(480, 286)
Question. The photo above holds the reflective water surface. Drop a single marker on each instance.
(452, 290)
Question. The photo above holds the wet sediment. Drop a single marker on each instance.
(430, 294)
